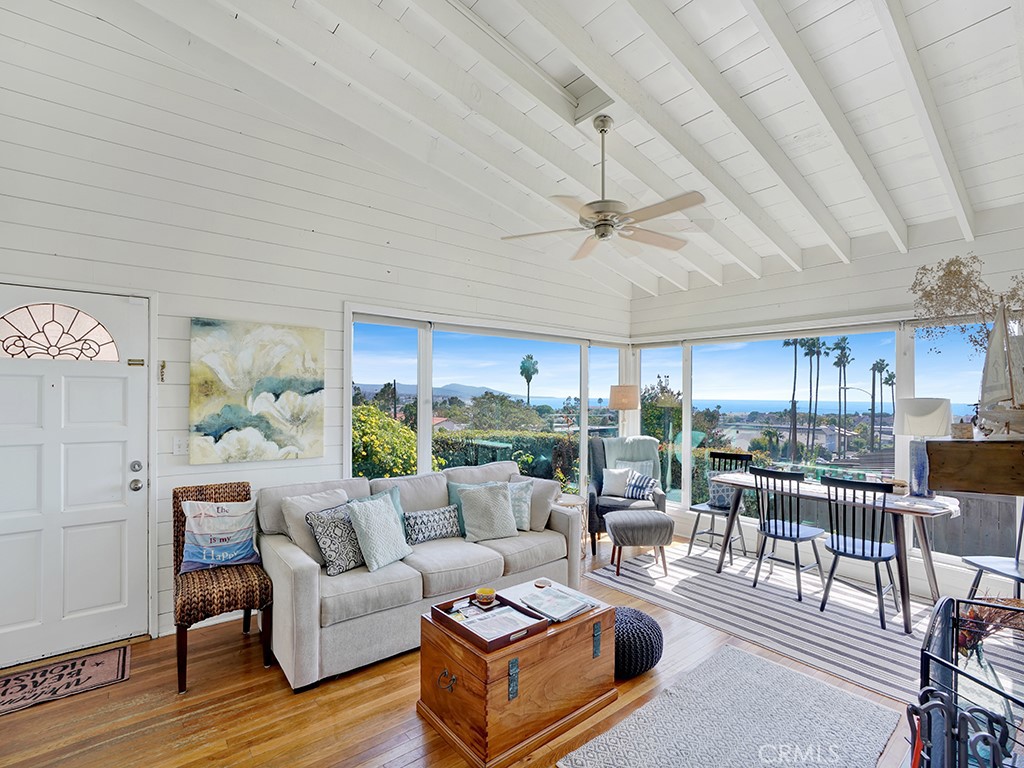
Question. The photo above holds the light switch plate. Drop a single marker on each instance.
(180, 447)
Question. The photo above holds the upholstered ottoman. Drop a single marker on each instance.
(639, 528)
(638, 643)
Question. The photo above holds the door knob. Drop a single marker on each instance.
(135, 485)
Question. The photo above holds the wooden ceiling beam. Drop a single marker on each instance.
(915, 80)
(675, 44)
(612, 78)
(774, 25)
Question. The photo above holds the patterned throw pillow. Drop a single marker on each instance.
(455, 497)
(640, 486)
(218, 534)
(430, 524)
(379, 529)
(487, 512)
(719, 496)
(336, 537)
(521, 496)
(643, 467)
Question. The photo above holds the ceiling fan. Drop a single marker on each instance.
(605, 218)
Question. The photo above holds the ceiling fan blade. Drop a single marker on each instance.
(547, 232)
(656, 239)
(585, 250)
(671, 205)
(571, 204)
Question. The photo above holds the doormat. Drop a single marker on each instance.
(63, 678)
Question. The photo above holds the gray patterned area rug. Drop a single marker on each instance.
(739, 709)
(846, 640)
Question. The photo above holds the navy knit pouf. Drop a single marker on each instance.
(638, 643)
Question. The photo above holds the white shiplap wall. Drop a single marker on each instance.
(124, 170)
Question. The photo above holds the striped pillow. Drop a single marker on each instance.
(219, 534)
(640, 486)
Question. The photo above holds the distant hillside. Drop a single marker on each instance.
(462, 391)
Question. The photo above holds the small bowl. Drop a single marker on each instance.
(485, 595)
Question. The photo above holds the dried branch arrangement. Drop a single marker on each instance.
(953, 295)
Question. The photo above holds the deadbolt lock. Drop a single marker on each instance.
(135, 466)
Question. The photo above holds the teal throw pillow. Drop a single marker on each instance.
(521, 496)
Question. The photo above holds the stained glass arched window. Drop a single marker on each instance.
(54, 331)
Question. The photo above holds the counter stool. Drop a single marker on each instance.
(639, 528)
(638, 643)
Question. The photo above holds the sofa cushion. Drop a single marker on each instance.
(618, 502)
(380, 530)
(529, 549)
(295, 509)
(268, 501)
(417, 491)
(487, 511)
(495, 471)
(452, 565)
(359, 592)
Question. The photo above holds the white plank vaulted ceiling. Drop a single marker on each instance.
(806, 124)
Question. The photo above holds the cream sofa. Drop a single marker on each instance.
(325, 625)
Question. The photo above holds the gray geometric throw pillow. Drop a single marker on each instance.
(337, 539)
(430, 524)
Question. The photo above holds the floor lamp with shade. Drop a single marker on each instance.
(624, 397)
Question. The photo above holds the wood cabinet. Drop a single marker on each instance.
(496, 707)
(976, 466)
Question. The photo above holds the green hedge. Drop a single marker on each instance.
(539, 454)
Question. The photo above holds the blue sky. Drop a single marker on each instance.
(754, 370)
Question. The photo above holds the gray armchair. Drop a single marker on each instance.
(610, 450)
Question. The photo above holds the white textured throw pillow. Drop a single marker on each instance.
(379, 531)
(614, 482)
(487, 512)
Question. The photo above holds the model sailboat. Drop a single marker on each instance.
(1002, 379)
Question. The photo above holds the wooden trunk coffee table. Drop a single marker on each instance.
(497, 707)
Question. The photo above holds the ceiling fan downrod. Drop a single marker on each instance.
(603, 124)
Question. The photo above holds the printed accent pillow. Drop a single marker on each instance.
(454, 497)
(336, 538)
(487, 511)
(643, 467)
(295, 509)
(640, 486)
(614, 482)
(719, 496)
(430, 524)
(218, 534)
(379, 529)
(521, 497)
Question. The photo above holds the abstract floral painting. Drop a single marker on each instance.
(256, 392)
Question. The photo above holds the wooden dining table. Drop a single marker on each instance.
(917, 508)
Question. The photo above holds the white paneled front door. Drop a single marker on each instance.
(73, 471)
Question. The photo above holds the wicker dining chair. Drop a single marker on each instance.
(200, 595)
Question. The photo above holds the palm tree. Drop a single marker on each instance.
(528, 369)
(813, 348)
(877, 368)
(795, 344)
(841, 348)
(772, 436)
(820, 348)
(890, 382)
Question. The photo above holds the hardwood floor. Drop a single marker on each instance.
(236, 713)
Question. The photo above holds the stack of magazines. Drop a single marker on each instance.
(555, 604)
